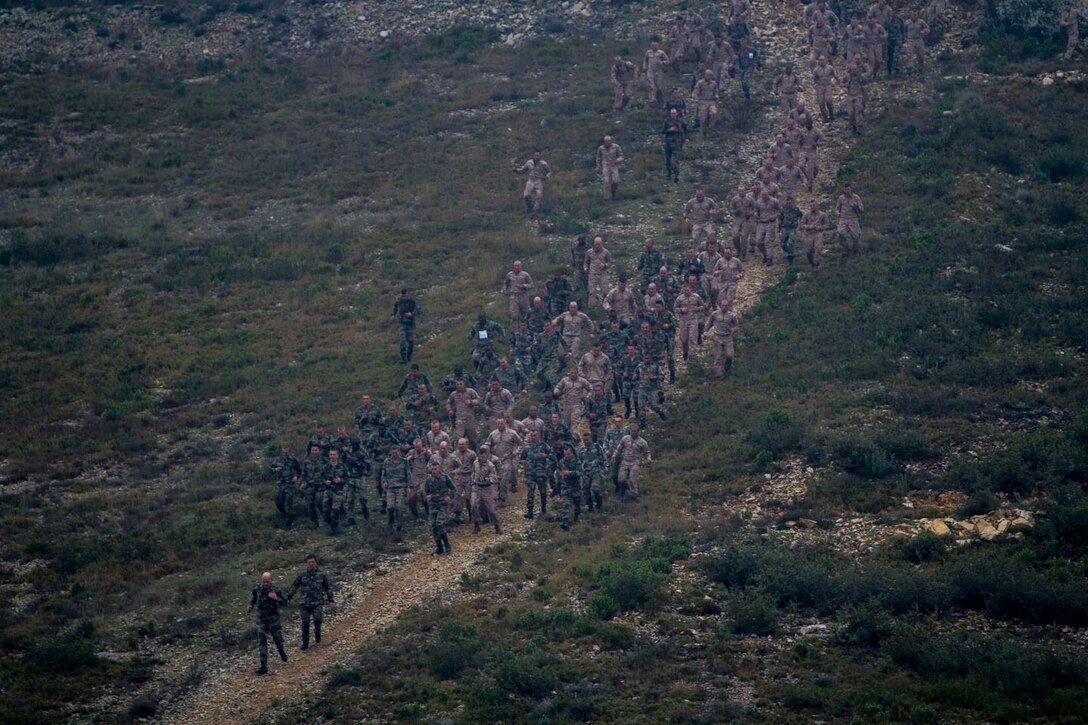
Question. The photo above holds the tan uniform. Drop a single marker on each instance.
(464, 405)
(518, 286)
(789, 178)
(623, 76)
(729, 271)
(653, 65)
(855, 98)
(723, 323)
(463, 465)
(787, 86)
(497, 404)
(609, 162)
(792, 136)
(433, 440)
(701, 214)
(811, 138)
(621, 303)
(822, 76)
(576, 327)
(631, 451)
(875, 39)
(705, 96)
(847, 223)
(688, 309)
(534, 187)
(822, 40)
(597, 369)
(446, 463)
(882, 13)
(814, 224)
(504, 448)
(709, 282)
(485, 480)
(719, 56)
(598, 266)
(743, 209)
(914, 43)
(767, 211)
(571, 393)
(854, 38)
(531, 424)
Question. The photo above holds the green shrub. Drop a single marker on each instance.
(633, 584)
(753, 611)
(925, 547)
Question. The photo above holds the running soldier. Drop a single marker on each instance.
(847, 209)
(287, 471)
(357, 459)
(518, 287)
(629, 368)
(651, 388)
(788, 86)
(316, 593)
(484, 482)
(396, 473)
(569, 482)
(404, 312)
(790, 177)
(624, 73)
(630, 452)
(551, 354)
(268, 599)
(914, 45)
(699, 212)
(538, 313)
(729, 273)
(484, 335)
(539, 463)
(705, 97)
(461, 408)
(811, 138)
(498, 401)
(538, 170)
(619, 303)
(609, 163)
(724, 324)
(576, 328)
(422, 407)
(719, 56)
(743, 209)
(855, 96)
(876, 38)
(767, 211)
(597, 410)
(1070, 21)
(853, 37)
(412, 379)
(821, 41)
(594, 464)
(571, 390)
(438, 493)
(313, 481)
(653, 65)
(504, 443)
(693, 32)
(559, 292)
(650, 261)
(822, 76)
(788, 219)
(464, 466)
(689, 309)
(598, 267)
(814, 223)
(419, 459)
(675, 132)
(597, 367)
(612, 437)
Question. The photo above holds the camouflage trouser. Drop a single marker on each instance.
(622, 94)
(701, 230)
(689, 332)
(356, 492)
(465, 427)
(650, 399)
(597, 288)
(873, 55)
(508, 477)
(856, 106)
(317, 614)
(439, 517)
(610, 179)
(788, 101)
(743, 231)
(814, 246)
(536, 483)
(658, 85)
(548, 371)
(486, 506)
(534, 193)
(574, 346)
(414, 499)
(706, 112)
(463, 484)
(519, 307)
(333, 507)
(628, 478)
(572, 414)
(285, 500)
(729, 292)
(823, 100)
(396, 501)
(591, 489)
(630, 397)
(850, 235)
(722, 350)
(266, 629)
(407, 342)
(810, 162)
(597, 429)
(572, 501)
(765, 234)
(789, 243)
(672, 159)
(314, 501)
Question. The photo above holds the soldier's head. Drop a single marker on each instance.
(693, 282)
(634, 430)
(744, 43)
(394, 452)
(485, 452)
(573, 307)
(581, 240)
(711, 243)
(367, 400)
(654, 45)
(659, 311)
(315, 452)
(621, 282)
(462, 444)
(573, 373)
(598, 242)
(421, 388)
(757, 188)
(334, 456)
(319, 431)
(285, 451)
(631, 351)
(555, 419)
(538, 302)
(460, 385)
(500, 423)
(663, 273)
(709, 75)
(481, 317)
(718, 38)
(913, 15)
(517, 265)
(727, 252)
(846, 189)
(675, 94)
(618, 60)
(820, 23)
(393, 411)
(504, 362)
(617, 420)
(547, 325)
(725, 303)
(494, 385)
(523, 325)
(700, 194)
(535, 436)
(651, 289)
(537, 155)
(742, 190)
(791, 124)
(436, 469)
(534, 411)
(436, 426)
(674, 114)
(823, 58)
(311, 562)
(813, 205)
(266, 580)
(404, 293)
(417, 444)
(607, 143)
(764, 195)
(443, 448)
(568, 453)
(587, 438)
(598, 391)
(645, 327)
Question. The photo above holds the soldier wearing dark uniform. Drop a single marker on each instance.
(404, 312)
(287, 471)
(316, 592)
(268, 599)
(439, 492)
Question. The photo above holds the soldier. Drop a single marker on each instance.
(598, 267)
(821, 42)
(678, 42)
(651, 299)
(355, 457)
(287, 471)
(438, 493)
(748, 64)
(578, 253)
(705, 97)
(551, 354)
(458, 373)
(693, 31)
(523, 348)
(675, 132)
(576, 328)
(896, 30)
(435, 437)
(814, 223)
(691, 266)
(464, 466)
(539, 312)
(880, 11)
(593, 464)
(855, 96)
(368, 418)
(620, 302)
(443, 456)
(914, 45)
(650, 261)
(787, 86)
(811, 138)
(422, 407)
(316, 592)
(508, 376)
(765, 181)
(790, 177)
(724, 324)
(629, 368)
(653, 65)
(484, 482)
(822, 76)
(396, 473)
(788, 219)
(268, 599)
(559, 292)
(412, 380)
(538, 170)
(484, 335)
(876, 38)
(557, 434)
(504, 443)
(322, 440)
(689, 308)
(699, 212)
(532, 421)
(596, 366)
(623, 73)
(518, 287)
(404, 312)
(609, 162)
(676, 101)
(498, 401)
(539, 463)
(569, 480)
(419, 459)
(741, 9)
(791, 132)
(571, 390)
(651, 394)
(778, 153)
(729, 272)
(767, 211)
(664, 323)
(719, 56)
(630, 451)
(1070, 20)
(737, 30)
(611, 444)
(847, 209)
(597, 410)
(313, 481)
(743, 209)
(854, 40)
(461, 407)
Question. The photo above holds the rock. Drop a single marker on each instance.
(807, 523)
(814, 630)
(384, 34)
(907, 503)
(1003, 526)
(939, 528)
(790, 524)
(967, 527)
(1021, 524)
(986, 532)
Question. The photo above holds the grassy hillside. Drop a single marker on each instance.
(198, 268)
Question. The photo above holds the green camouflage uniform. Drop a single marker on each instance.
(611, 444)
(422, 409)
(629, 369)
(593, 463)
(559, 292)
(357, 460)
(570, 489)
(287, 472)
(523, 346)
(437, 489)
(510, 377)
(336, 482)
(395, 476)
(539, 463)
(651, 261)
(597, 411)
(316, 591)
(788, 220)
(407, 324)
(313, 484)
(368, 419)
(550, 354)
(268, 621)
(651, 394)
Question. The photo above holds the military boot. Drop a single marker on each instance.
(528, 204)
(446, 542)
(283, 653)
(392, 515)
(317, 632)
(263, 669)
(615, 190)
(438, 551)
(305, 638)
(600, 502)
(366, 513)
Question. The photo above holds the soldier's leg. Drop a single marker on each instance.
(410, 334)
(585, 483)
(632, 479)
(615, 181)
(530, 495)
(281, 496)
(728, 350)
(595, 490)
(643, 404)
(719, 362)
(319, 617)
(277, 636)
(568, 504)
(436, 533)
(305, 614)
(262, 648)
(311, 498)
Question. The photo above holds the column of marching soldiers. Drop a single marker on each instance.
(573, 438)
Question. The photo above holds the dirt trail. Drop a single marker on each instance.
(233, 694)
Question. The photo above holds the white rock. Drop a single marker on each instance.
(384, 34)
